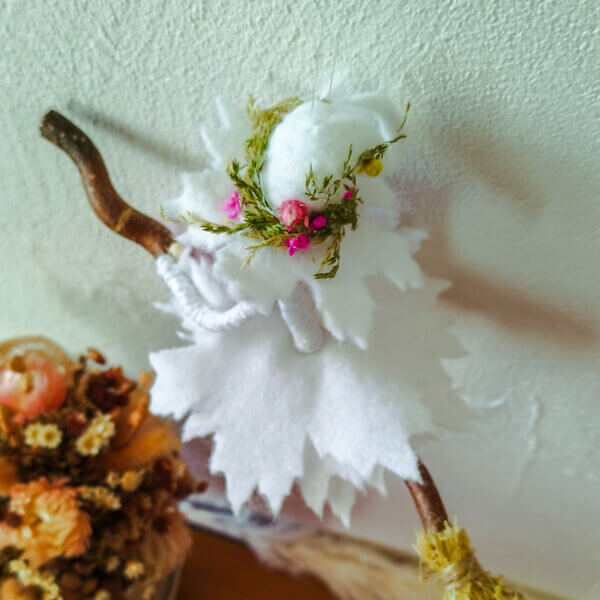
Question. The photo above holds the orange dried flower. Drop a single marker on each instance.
(11, 589)
(8, 476)
(154, 438)
(52, 522)
(129, 417)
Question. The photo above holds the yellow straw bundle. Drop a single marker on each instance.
(448, 554)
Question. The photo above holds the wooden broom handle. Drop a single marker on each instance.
(112, 210)
(428, 501)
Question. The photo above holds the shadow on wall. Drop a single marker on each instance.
(115, 300)
(165, 151)
(472, 290)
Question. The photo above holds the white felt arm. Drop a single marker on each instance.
(193, 304)
(298, 312)
(301, 318)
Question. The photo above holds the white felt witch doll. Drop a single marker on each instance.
(291, 254)
(312, 338)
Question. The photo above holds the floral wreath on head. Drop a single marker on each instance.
(293, 226)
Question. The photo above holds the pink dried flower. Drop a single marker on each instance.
(300, 242)
(37, 386)
(318, 223)
(292, 212)
(232, 206)
(349, 194)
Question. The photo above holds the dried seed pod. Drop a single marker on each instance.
(7, 425)
(76, 422)
(13, 519)
(145, 379)
(96, 356)
(201, 487)
(160, 525)
(84, 568)
(89, 586)
(17, 364)
(70, 581)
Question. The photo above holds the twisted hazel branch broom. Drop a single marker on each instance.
(443, 547)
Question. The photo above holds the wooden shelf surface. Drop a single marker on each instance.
(219, 569)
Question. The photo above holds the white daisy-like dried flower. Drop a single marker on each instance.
(113, 479)
(179, 468)
(133, 569)
(96, 436)
(148, 592)
(112, 564)
(43, 435)
(29, 576)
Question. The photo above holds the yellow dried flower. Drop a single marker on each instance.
(100, 496)
(148, 592)
(32, 434)
(44, 436)
(112, 564)
(102, 595)
(133, 569)
(131, 480)
(371, 167)
(29, 576)
(96, 436)
(89, 444)
(179, 468)
(113, 479)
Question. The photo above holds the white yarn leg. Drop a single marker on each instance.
(192, 303)
(301, 318)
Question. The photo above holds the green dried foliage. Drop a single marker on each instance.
(261, 222)
(263, 122)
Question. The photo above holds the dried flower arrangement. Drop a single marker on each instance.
(89, 480)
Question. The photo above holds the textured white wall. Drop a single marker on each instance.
(504, 145)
